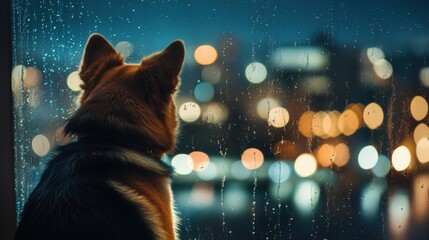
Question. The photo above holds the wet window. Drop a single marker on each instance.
(299, 120)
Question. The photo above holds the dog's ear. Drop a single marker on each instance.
(164, 67)
(98, 56)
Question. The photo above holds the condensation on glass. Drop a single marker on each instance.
(299, 120)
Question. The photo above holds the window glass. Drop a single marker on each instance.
(299, 119)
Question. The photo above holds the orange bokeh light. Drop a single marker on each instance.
(252, 158)
(205, 55)
(201, 160)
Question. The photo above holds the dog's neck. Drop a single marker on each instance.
(130, 144)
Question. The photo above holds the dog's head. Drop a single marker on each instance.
(134, 102)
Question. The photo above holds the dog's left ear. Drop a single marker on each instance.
(165, 66)
(99, 55)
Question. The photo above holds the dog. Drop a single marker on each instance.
(111, 183)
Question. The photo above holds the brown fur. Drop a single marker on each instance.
(134, 103)
(129, 101)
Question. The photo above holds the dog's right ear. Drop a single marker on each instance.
(99, 55)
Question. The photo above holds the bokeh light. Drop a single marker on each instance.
(18, 75)
(401, 158)
(300, 58)
(189, 111)
(215, 113)
(182, 164)
(204, 92)
(279, 172)
(330, 124)
(371, 196)
(317, 124)
(74, 82)
(202, 195)
(382, 168)
(305, 165)
(305, 123)
(348, 122)
(211, 74)
(341, 155)
(256, 72)
(252, 158)
(33, 77)
(421, 197)
(419, 108)
(285, 150)
(374, 54)
(205, 55)
(368, 157)
(125, 48)
(265, 105)
(209, 173)
(399, 213)
(383, 69)
(40, 145)
(373, 115)
(278, 117)
(422, 150)
(306, 196)
(424, 76)
(325, 154)
(421, 131)
(238, 171)
(201, 160)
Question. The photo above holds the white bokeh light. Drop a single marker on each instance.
(74, 81)
(125, 48)
(279, 172)
(305, 165)
(40, 145)
(256, 72)
(189, 111)
(401, 158)
(182, 164)
(278, 117)
(368, 157)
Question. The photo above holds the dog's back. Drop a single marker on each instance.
(111, 184)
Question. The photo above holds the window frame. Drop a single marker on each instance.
(7, 196)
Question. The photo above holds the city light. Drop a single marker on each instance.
(40, 145)
(265, 105)
(211, 74)
(421, 131)
(74, 82)
(252, 158)
(300, 58)
(374, 54)
(424, 76)
(368, 157)
(419, 108)
(204, 92)
(373, 115)
(382, 167)
(279, 172)
(182, 164)
(189, 111)
(256, 72)
(201, 160)
(278, 117)
(383, 69)
(306, 196)
(205, 55)
(401, 158)
(125, 48)
(348, 122)
(305, 123)
(305, 165)
(422, 150)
